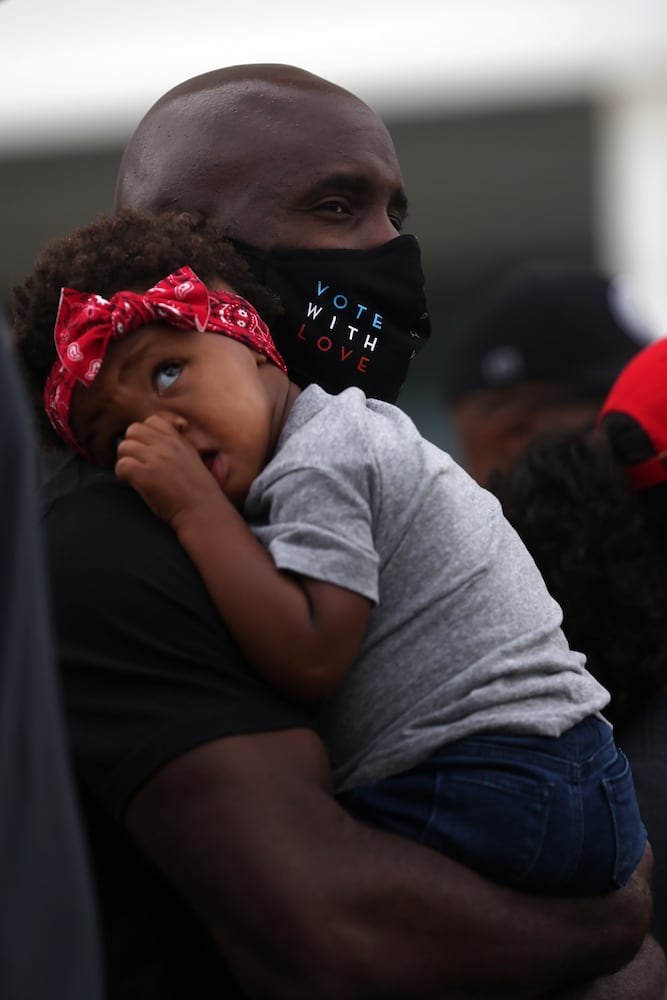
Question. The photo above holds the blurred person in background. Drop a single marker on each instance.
(537, 351)
(591, 507)
(48, 923)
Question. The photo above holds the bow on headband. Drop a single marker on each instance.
(86, 324)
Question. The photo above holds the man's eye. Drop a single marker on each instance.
(335, 207)
(166, 374)
(397, 222)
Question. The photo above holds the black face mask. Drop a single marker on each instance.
(352, 317)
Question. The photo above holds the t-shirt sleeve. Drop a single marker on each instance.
(149, 669)
(316, 518)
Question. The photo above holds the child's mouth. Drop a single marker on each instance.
(216, 465)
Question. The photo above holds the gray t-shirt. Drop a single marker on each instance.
(463, 637)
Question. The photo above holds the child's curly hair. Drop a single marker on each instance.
(129, 250)
(601, 546)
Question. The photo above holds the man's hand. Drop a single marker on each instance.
(644, 978)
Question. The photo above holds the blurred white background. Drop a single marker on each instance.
(527, 129)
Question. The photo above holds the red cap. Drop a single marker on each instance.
(640, 391)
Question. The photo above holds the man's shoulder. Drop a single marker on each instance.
(79, 491)
(68, 480)
(89, 518)
(349, 408)
(346, 430)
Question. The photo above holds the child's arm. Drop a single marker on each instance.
(301, 634)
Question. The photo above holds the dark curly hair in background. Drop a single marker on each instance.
(601, 546)
(130, 250)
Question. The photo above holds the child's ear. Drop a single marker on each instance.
(260, 359)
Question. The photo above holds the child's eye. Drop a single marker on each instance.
(166, 374)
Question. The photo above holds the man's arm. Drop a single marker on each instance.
(303, 901)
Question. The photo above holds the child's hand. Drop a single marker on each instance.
(164, 468)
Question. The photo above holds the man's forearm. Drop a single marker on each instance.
(306, 902)
(463, 937)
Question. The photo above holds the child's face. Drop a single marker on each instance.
(225, 392)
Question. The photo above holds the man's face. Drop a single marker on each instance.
(321, 173)
(297, 168)
(495, 426)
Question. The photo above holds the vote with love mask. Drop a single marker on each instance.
(352, 317)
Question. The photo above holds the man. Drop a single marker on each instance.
(48, 945)
(537, 352)
(215, 828)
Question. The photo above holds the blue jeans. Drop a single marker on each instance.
(541, 813)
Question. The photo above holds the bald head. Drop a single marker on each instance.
(251, 146)
(198, 123)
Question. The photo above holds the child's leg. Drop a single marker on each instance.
(551, 815)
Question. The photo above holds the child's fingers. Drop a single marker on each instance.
(125, 469)
(156, 455)
(153, 428)
(153, 447)
(167, 422)
(140, 466)
(149, 447)
(132, 471)
(138, 447)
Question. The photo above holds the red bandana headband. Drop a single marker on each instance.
(640, 391)
(86, 324)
